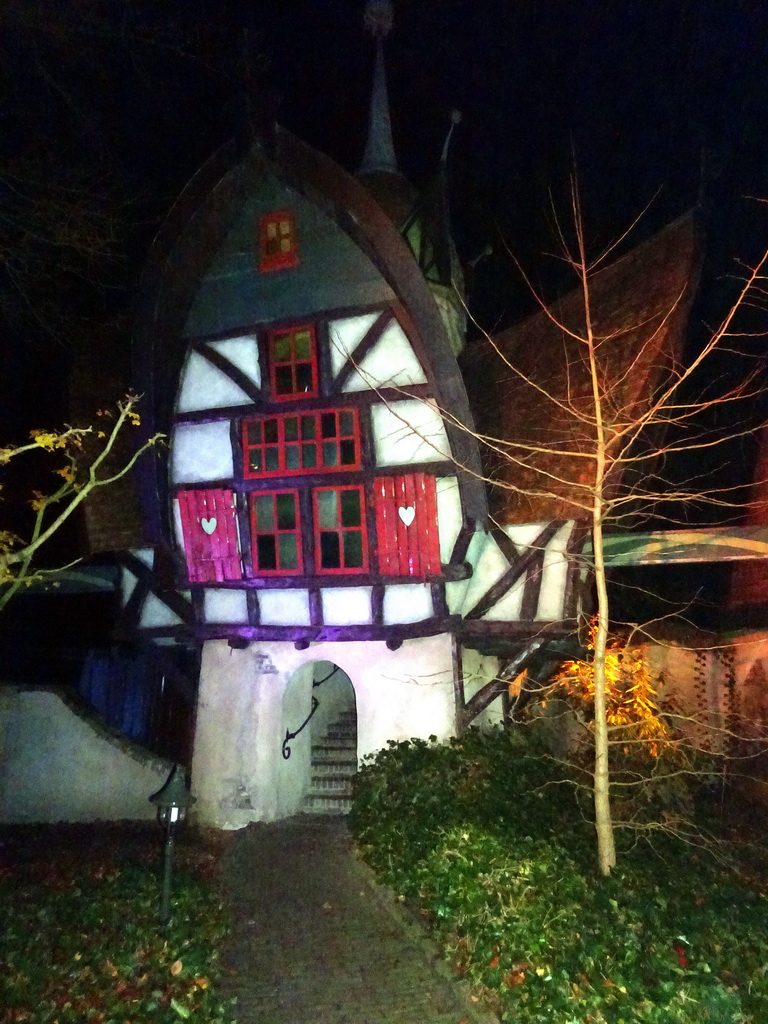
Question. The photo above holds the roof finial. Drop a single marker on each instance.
(379, 149)
(378, 17)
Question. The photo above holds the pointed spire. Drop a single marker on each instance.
(379, 149)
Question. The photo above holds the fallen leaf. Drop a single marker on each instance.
(176, 967)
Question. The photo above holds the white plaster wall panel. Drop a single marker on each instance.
(225, 606)
(390, 363)
(237, 736)
(554, 576)
(449, 514)
(242, 353)
(524, 534)
(145, 555)
(201, 452)
(284, 607)
(178, 530)
(509, 608)
(408, 602)
(205, 386)
(456, 593)
(127, 585)
(156, 613)
(489, 567)
(59, 764)
(239, 774)
(408, 431)
(477, 670)
(346, 606)
(345, 335)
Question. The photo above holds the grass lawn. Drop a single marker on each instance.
(493, 851)
(80, 938)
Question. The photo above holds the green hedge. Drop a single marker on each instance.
(493, 848)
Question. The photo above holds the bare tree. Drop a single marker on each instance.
(597, 419)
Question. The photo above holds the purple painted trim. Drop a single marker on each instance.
(315, 607)
(316, 404)
(319, 479)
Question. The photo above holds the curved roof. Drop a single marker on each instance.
(195, 231)
(531, 385)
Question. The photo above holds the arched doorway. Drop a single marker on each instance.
(319, 744)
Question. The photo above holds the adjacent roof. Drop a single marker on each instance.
(530, 386)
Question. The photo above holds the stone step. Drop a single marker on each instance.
(346, 768)
(326, 804)
(321, 784)
(337, 732)
(345, 751)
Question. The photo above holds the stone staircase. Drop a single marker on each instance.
(334, 765)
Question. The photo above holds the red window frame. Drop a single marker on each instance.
(276, 533)
(289, 444)
(277, 241)
(408, 542)
(293, 362)
(341, 547)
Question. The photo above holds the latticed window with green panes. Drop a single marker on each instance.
(276, 533)
(293, 363)
(341, 542)
(297, 443)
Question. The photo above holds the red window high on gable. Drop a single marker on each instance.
(293, 363)
(276, 533)
(209, 525)
(406, 525)
(277, 241)
(341, 539)
(301, 443)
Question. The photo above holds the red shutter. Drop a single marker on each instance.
(406, 525)
(209, 523)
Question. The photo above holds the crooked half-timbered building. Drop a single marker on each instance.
(318, 527)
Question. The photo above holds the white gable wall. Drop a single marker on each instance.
(238, 772)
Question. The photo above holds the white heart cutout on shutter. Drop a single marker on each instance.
(407, 513)
(208, 525)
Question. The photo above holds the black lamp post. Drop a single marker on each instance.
(172, 801)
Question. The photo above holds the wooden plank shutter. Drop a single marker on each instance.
(406, 525)
(209, 523)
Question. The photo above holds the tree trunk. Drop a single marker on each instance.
(606, 848)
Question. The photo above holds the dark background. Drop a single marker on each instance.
(108, 107)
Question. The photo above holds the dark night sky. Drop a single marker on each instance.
(122, 100)
(643, 97)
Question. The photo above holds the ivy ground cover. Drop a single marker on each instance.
(491, 848)
(80, 939)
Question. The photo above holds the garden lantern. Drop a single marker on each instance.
(172, 802)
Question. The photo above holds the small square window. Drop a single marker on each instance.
(293, 363)
(277, 242)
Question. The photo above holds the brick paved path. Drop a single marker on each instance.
(317, 941)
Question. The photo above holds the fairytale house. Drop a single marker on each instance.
(310, 527)
(318, 529)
